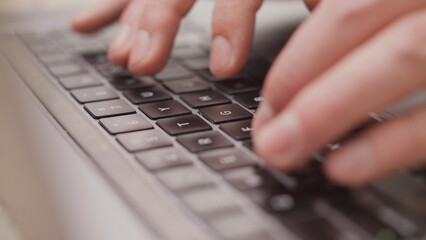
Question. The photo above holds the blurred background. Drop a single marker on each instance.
(26, 6)
(8, 229)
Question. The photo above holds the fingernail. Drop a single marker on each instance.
(279, 138)
(142, 47)
(263, 115)
(221, 54)
(353, 162)
(121, 38)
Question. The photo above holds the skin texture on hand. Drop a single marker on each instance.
(349, 58)
(147, 29)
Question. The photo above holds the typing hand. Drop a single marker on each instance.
(147, 29)
(348, 59)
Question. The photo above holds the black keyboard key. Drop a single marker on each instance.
(184, 53)
(197, 63)
(194, 84)
(79, 81)
(93, 94)
(245, 179)
(321, 229)
(286, 207)
(184, 178)
(173, 73)
(240, 85)
(205, 99)
(257, 68)
(199, 142)
(66, 69)
(164, 109)
(225, 113)
(147, 95)
(162, 158)
(96, 58)
(226, 159)
(127, 83)
(108, 108)
(143, 140)
(249, 100)
(123, 124)
(110, 71)
(362, 215)
(238, 130)
(184, 124)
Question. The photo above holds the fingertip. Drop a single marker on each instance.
(263, 115)
(119, 50)
(349, 166)
(78, 22)
(140, 57)
(222, 58)
(340, 178)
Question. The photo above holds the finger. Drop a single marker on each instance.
(98, 15)
(233, 29)
(159, 24)
(121, 45)
(388, 148)
(383, 71)
(334, 29)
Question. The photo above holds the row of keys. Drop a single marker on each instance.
(153, 149)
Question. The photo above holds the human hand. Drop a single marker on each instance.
(348, 59)
(147, 29)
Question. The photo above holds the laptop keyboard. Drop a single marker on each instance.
(185, 111)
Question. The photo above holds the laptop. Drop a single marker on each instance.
(89, 151)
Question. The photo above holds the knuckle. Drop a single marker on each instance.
(348, 12)
(230, 5)
(410, 45)
(174, 7)
(158, 14)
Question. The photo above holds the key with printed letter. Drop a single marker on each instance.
(164, 109)
(122, 124)
(204, 141)
(79, 81)
(126, 83)
(225, 113)
(162, 158)
(108, 108)
(249, 100)
(143, 140)
(182, 125)
(205, 99)
(147, 95)
(93, 94)
(226, 159)
(238, 130)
